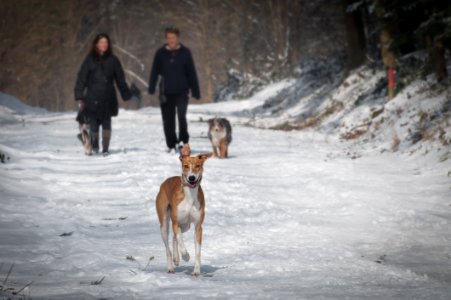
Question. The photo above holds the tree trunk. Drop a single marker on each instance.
(355, 36)
(439, 60)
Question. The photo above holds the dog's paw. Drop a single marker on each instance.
(176, 261)
(196, 272)
(171, 271)
(185, 256)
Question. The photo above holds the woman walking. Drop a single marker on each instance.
(174, 65)
(95, 92)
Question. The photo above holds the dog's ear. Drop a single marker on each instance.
(211, 121)
(185, 152)
(205, 156)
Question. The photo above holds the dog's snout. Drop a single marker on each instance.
(192, 178)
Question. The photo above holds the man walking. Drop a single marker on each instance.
(173, 65)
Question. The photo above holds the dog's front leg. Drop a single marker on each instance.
(197, 243)
(181, 245)
(165, 235)
(215, 151)
(223, 149)
(175, 251)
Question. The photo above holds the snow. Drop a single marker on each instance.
(235, 109)
(15, 106)
(290, 215)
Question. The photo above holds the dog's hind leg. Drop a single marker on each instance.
(164, 226)
(175, 252)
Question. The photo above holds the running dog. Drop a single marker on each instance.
(220, 135)
(181, 201)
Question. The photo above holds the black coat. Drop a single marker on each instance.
(95, 85)
(177, 69)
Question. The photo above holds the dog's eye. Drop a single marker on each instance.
(198, 166)
(185, 166)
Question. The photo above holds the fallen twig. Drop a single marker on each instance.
(25, 286)
(129, 257)
(66, 233)
(9, 273)
(133, 272)
(148, 263)
(97, 282)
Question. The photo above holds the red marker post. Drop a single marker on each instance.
(391, 83)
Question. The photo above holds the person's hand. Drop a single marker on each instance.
(136, 93)
(81, 105)
(186, 151)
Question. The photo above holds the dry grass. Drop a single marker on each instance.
(395, 141)
(356, 132)
(315, 120)
(353, 134)
(312, 121)
(309, 122)
(442, 137)
(7, 292)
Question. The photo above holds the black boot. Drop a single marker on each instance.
(95, 142)
(106, 137)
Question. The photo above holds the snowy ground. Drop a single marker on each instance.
(289, 216)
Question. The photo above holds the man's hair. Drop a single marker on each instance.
(173, 30)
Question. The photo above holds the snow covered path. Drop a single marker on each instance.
(288, 216)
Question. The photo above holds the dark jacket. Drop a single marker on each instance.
(178, 72)
(95, 85)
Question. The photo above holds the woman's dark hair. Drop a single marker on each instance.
(94, 51)
(173, 30)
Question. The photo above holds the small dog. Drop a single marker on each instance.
(220, 135)
(85, 133)
(86, 138)
(181, 200)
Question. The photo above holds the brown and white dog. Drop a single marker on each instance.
(181, 201)
(220, 135)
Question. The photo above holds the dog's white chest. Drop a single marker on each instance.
(217, 136)
(188, 211)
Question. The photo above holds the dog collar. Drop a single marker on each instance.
(189, 184)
